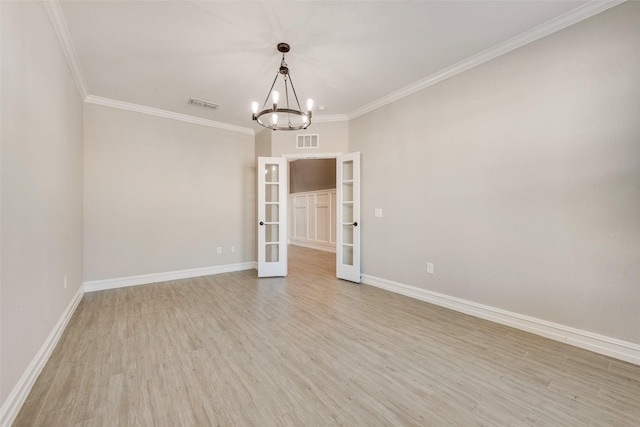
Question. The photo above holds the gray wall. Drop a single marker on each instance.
(41, 187)
(334, 138)
(161, 194)
(518, 179)
(312, 175)
(263, 144)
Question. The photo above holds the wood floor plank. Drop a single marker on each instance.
(311, 350)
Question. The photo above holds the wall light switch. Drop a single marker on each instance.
(219, 249)
(378, 212)
(233, 248)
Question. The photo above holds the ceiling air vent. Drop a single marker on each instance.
(308, 141)
(204, 104)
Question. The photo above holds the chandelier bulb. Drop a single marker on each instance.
(275, 95)
(309, 104)
(254, 107)
(274, 119)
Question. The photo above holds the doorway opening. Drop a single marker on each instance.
(312, 210)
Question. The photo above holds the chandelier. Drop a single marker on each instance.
(282, 117)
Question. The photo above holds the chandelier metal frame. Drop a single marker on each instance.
(268, 117)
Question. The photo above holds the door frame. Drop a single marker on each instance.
(298, 156)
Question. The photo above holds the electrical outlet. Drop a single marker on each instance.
(430, 268)
(65, 281)
(219, 250)
(377, 212)
(233, 248)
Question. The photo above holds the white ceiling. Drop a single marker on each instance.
(344, 54)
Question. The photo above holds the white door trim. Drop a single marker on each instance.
(298, 156)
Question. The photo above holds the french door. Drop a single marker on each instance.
(348, 217)
(272, 216)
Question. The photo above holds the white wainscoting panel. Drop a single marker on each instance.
(300, 219)
(313, 219)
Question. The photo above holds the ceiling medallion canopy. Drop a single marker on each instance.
(282, 117)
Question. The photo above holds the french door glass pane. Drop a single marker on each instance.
(271, 173)
(347, 192)
(347, 213)
(347, 234)
(271, 193)
(271, 233)
(347, 255)
(271, 213)
(271, 252)
(347, 171)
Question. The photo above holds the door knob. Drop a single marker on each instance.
(355, 224)
(261, 223)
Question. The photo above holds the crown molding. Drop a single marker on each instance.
(330, 118)
(556, 24)
(581, 13)
(62, 31)
(114, 103)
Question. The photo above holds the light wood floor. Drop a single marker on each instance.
(311, 350)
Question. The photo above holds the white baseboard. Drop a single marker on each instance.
(327, 247)
(121, 282)
(18, 395)
(608, 346)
